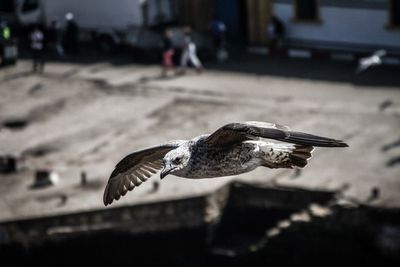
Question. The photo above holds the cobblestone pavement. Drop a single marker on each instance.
(85, 117)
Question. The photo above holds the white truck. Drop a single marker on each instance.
(110, 22)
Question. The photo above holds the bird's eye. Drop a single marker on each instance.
(177, 160)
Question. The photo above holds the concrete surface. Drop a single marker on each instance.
(87, 117)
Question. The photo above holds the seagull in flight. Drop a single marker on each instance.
(233, 149)
(373, 60)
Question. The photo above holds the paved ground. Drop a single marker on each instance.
(85, 117)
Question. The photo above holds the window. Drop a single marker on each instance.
(30, 5)
(306, 10)
(394, 13)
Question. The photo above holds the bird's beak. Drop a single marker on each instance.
(167, 169)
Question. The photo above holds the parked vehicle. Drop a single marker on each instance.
(107, 22)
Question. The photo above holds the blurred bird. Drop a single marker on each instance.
(233, 149)
(373, 60)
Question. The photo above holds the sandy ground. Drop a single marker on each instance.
(86, 117)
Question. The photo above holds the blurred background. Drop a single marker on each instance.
(85, 82)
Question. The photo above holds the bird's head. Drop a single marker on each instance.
(175, 160)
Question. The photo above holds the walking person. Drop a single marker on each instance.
(168, 52)
(5, 31)
(71, 36)
(37, 46)
(54, 37)
(189, 52)
(218, 31)
(275, 33)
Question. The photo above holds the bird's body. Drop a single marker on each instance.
(233, 149)
(207, 161)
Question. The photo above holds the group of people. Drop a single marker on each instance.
(275, 32)
(189, 53)
(67, 42)
(53, 38)
(189, 50)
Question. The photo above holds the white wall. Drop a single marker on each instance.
(347, 25)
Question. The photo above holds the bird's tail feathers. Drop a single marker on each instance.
(300, 156)
(286, 155)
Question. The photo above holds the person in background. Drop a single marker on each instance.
(37, 46)
(275, 33)
(5, 31)
(218, 31)
(71, 35)
(54, 36)
(168, 52)
(189, 52)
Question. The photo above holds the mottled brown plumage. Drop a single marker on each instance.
(233, 149)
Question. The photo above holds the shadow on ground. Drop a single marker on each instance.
(243, 62)
(311, 69)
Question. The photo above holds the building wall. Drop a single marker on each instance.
(258, 16)
(153, 217)
(197, 13)
(245, 20)
(346, 22)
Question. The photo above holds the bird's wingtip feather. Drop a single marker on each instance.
(340, 143)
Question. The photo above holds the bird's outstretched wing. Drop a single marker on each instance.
(363, 64)
(136, 168)
(238, 132)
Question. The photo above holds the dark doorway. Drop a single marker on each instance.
(394, 9)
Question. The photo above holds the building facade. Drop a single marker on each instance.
(341, 24)
(332, 24)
